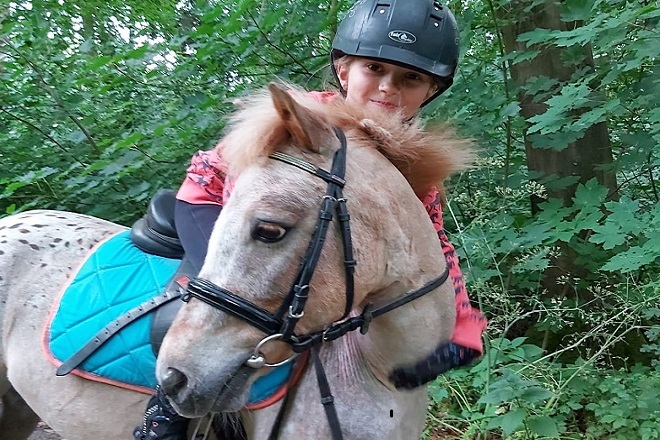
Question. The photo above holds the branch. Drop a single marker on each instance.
(51, 91)
(270, 43)
(150, 157)
(44, 134)
(633, 176)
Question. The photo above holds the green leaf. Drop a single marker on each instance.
(589, 195)
(538, 84)
(98, 62)
(554, 141)
(536, 262)
(572, 96)
(77, 137)
(517, 342)
(576, 10)
(128, 141)
(534, 37)
(536, 394)
(87, 46)
(597, 114)
(139, 191)
(532, 352)
(609, 235)
(520, 56)
(511, 109)
(543, 426)
(500, 395)
(512, 420)
(631, 259)
(438, 393)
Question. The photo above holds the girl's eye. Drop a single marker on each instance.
(374, 67)
(268, 232)
(413, 76)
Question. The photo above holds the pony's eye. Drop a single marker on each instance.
(268, 232)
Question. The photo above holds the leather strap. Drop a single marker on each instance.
(277, 425)
(327, 399)
(106, 333)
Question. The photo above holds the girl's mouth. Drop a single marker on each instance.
(385, 105)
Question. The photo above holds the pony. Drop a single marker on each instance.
(382, 249)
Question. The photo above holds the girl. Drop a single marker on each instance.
(396, 56)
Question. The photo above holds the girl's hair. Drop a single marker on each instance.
(344, 60)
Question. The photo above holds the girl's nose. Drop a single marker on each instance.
(389, 84)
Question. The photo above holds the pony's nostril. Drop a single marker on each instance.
(173, 381)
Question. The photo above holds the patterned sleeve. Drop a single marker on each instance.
(470, 322)
(205, 179)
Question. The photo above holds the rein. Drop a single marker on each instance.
(281, 324)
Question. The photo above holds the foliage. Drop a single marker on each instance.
(103, 103)
(514, 392)
(599, 348)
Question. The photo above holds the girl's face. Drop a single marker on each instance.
(382, 85)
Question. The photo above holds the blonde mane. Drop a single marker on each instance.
(425, 157)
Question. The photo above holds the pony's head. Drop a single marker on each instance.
(259, 241)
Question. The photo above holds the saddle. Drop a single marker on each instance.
(155, 233)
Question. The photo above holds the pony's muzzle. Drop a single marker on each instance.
(173, 381)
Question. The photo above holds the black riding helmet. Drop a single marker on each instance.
(419, 34)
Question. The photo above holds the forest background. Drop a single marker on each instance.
(102, 103)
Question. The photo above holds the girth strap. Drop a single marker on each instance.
(111, 329)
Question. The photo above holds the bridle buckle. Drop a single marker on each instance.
(293, 315)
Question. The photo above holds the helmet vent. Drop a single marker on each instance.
(382, 8)
(436, 14)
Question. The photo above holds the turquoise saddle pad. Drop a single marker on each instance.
(115, 278)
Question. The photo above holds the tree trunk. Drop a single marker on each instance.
(583, 159)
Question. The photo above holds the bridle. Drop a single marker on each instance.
(281, 324)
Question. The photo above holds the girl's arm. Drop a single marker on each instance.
(205, 180)
(465, 344)
(470, 322)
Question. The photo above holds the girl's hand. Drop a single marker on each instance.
(443, 358)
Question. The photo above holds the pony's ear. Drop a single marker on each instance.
(304, 126)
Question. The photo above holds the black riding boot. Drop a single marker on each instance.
(161, 422)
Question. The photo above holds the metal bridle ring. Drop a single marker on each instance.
(258, 360)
